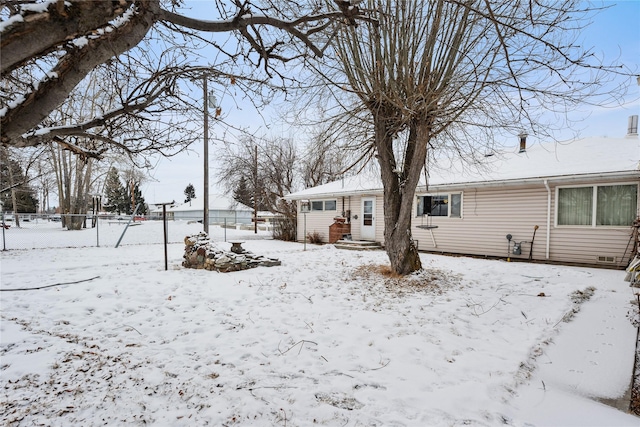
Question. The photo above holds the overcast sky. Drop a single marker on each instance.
(614, 33)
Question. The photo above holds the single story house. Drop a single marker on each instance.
(580, 198)
(266, 220)
(157, 212)
(222, 209)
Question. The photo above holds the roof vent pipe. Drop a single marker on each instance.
(523, 142)
(632, 129)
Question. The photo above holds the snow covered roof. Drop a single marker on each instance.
(359, 184)
(557, 160)
(217, 202)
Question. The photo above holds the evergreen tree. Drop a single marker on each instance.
(190, 193)
(114, 192)
(242, 193)
(143, 209)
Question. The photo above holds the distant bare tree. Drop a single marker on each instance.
(268, 177)
(324, 159)
(73, 177)
(75, 172)
(133, 178)
(274, 176)
(17, 193)
(446, 74)
(44, 180)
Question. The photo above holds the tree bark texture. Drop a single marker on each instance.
(69, 39)
(72, 67)
(400, 182)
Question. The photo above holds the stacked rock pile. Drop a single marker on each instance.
(200, 252)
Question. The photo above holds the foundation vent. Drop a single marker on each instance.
(607, 259)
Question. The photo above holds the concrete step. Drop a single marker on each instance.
(356, 245)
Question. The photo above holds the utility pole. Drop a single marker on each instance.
(205, 100)
(255, 191)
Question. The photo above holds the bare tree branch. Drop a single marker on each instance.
(442, 75)
(48, 48)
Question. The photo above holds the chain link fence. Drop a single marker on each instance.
(49, 231)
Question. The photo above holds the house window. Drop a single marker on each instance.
(575, 206)
(329, 205)
(455, 207)
(440, 205)
(602, 205)
(323, 205)
(616, 204)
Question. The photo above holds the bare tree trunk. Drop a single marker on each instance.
(65, 196)
(399, 245)
(72, 178)
(55, 161)
(400, 182)
(14, 199)
(44, 185)
(75, 222)
(45, 200)
(398, 194)
(87, 189)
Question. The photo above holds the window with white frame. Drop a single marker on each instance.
(329, 205)
(323, 205)
(598, 205)
(440, 205)
(455, 207)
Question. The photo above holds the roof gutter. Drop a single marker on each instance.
(616, 175)
(630, 174)
(333, 194)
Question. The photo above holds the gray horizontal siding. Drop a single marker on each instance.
(317, 221)
(487, 217)
(490, 214)
(585, 245)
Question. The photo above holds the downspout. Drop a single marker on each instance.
(546, 185)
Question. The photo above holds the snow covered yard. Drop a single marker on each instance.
(323, 339)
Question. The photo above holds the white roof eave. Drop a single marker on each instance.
(621, 175)
(325, 195)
